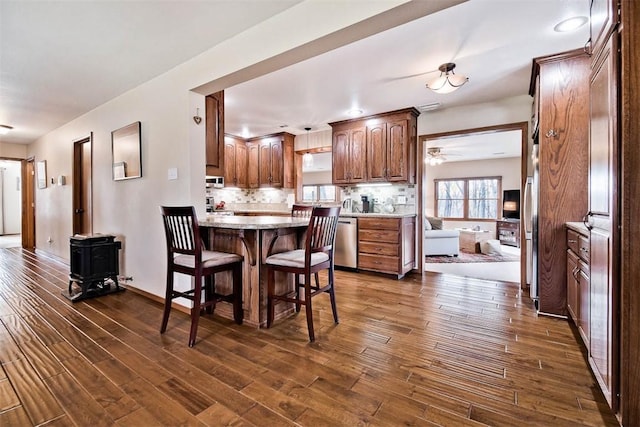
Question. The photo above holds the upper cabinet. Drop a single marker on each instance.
(603, 18)
(378, 148)
(348, 154)
(235, 162)
(272, 157)
(214, 151)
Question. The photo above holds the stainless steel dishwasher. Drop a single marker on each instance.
(346, 250)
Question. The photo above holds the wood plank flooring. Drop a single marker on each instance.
(438, 350)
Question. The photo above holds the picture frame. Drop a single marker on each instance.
(41, 173)
(126, 150)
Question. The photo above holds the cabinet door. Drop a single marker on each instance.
(253, 173)
(230, 164)
(377, 152)
(264, 164)
(584, 295)
(604, 212)
(572, 287)
(214, 138)
(397, 149)
(603, 17)
(241, 165)
(276, 157)
(340, 157)
(357, 154)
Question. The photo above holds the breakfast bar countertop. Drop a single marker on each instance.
(265, 222)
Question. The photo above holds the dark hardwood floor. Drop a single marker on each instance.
(442, 350)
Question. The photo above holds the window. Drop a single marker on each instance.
(318, 193)
(468, 198)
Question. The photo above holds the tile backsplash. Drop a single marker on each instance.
(277, 198)
(394, 194)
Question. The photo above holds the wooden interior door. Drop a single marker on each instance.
(28, 204)
(82, 193)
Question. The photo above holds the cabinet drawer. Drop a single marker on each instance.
(584, 267)
(383, 264)
(388, 249)
(386, 236)
(573, 241)
(379, 223)
(583, 248)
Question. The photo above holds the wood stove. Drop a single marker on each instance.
(94, 266)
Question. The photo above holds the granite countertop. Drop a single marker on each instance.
(578, 227)
(376, 215)
(265, 222)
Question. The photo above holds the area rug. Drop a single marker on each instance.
(466, 257)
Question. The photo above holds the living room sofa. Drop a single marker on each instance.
(438, 241)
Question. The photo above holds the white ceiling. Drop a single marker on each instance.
(77, 55)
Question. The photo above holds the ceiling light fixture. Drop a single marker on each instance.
(354, 112)
(448, 81)
(4, 129)
(307, 158)
(570, 24)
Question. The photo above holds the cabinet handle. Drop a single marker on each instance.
(574, 273)
(585, 250)
(572, 241)
(551, 133)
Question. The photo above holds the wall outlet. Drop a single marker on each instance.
(172, 174)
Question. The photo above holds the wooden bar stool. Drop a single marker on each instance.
(186, 255)
(316, 256)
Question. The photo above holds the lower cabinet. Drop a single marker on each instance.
(578, 284)
(386, 245)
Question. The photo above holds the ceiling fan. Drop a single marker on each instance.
(434, 156)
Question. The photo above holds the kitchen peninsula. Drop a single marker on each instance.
(251, 237)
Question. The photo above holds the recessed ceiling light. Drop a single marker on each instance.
(571, 24)
(354, 112)
(4, 129)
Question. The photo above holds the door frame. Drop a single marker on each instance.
(420, 169)
(28, 215)
(79, 183)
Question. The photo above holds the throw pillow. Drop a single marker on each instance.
(436, 223)
(427, 224)
(491, 247)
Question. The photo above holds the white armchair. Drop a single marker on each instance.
(438, 241)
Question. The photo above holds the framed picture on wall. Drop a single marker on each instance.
(41, 173)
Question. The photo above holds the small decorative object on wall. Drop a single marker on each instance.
(126, 147)
(197, 117)
(41, 171)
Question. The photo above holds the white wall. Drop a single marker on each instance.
(170, 139)
(16, 151)
(503, 111)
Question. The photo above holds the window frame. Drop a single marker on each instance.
(317, 198)
(465, 200)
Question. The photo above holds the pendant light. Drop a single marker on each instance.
(307, 158)
(448, 81)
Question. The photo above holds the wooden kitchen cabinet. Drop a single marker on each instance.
(379, 148)
(348, 154)
(235, 162)
(270, 160)
(386, 245)
(391, 143)
(561, 85)
(578, 283)
(214, 133)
